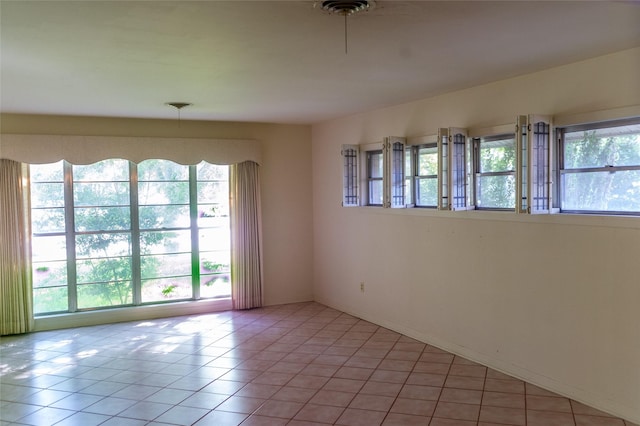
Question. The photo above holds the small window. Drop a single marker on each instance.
(426, 175)
(394, 172)
(600, 168)
(350, 196)
(453, 166)
(495, 163)
(375, 173)
(410, 170)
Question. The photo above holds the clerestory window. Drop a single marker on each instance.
(495, 164)
(600, 168)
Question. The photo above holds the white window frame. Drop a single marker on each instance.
(350, 175)
(534, 174)
(365, 152)
(560, 170)
(454, 169)
(477, 173)
(414, 145)
(70, 233)
(394, 172)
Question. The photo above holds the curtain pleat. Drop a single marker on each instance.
(16, 301)
(246, 231)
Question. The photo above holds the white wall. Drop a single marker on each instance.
(553, 299)
(285, 183)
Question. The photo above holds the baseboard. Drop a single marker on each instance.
(588, 398)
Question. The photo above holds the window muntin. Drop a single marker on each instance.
(375, 173)
(600, 168)
(495, 162)
(115, 243)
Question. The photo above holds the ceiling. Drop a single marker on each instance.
(283, 61)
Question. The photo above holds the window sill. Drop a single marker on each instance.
(137, 313)
(599, 220)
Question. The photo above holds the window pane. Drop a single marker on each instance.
(427, 192)
(103, 171)
(154, 170)
(375, 164)
(602, 191)
(496, 192)
(150, 193)
(159, 290)
(213, 192)
(50, 299)
(50, 274)
(218, 285)
(213, 214)
(98, 295)
(102, 270)
(101, 194)
(49, 248)
(214, 239)
(47, 220)
(103, 245)
(165, 265)
(47, 194)
(497, 156)
(214, 263)
(206, 171)
(613, 146)
(154, 217)
(53, 172)
(427, 161)
(375, 192)
(160, 242)
(102, 219)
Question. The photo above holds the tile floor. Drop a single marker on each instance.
(298, 364)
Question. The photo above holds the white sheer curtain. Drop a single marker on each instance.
(16, 297)
(246, 236)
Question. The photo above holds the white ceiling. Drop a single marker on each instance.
(283, 61)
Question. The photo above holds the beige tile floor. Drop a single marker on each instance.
(298, 364)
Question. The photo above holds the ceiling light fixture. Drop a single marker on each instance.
(178, 106)
(346, 8)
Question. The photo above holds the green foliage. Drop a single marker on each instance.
(168, 290)
(597, 190)
(496, 191)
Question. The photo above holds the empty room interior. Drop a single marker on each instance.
(433, 195)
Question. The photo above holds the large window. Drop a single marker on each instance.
(600, 168)
(115, 233)
(495, 164)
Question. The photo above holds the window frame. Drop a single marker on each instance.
(350, 175)
(416, 177)
(70, 233)
(560, 169)
(454, 169)
(478, 173)
(394, 172)
(369, 179)
(535, 162)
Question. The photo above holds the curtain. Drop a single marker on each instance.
(16, 301)
(246, 236)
